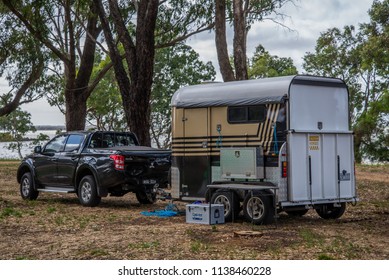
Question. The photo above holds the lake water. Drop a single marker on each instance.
(27, 148)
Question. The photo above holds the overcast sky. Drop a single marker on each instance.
(308, 19)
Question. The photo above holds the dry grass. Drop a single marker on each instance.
(57, 227)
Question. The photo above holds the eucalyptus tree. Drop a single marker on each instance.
(141, 27)
(264, 65)
(241, 15)
(69, 31)
(22, 64)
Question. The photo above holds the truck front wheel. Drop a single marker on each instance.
(258, 209)
(87, 192)
(26, 187)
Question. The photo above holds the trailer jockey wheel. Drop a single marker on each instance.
(330, 211)
(258, 208)
(230, 201)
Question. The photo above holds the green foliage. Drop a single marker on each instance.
(175, 67)
(17, 124)
(104, 106)
(23, 59)
(5, 137)
(264, 65)
(178, 18)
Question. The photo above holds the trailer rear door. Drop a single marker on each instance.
(321, 167)
(320, 145)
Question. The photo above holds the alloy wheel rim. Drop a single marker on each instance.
(86, 191)
(221, 199)
(26, 187)
(255, 208)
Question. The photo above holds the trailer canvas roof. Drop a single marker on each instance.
(249, 92)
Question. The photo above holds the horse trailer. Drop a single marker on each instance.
(267, 145)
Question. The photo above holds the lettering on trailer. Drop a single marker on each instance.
(314, 143)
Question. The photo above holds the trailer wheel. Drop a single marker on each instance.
(230, 201)
(258, 209)
(329, 211)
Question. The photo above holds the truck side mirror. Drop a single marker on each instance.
(38, 149)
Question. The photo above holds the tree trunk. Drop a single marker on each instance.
(136, 89)
(145, 53)
(77, 90)
(75, 111)
(358, 135)
(240, 57)
(221, 41)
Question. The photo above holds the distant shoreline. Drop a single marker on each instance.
(50, 127)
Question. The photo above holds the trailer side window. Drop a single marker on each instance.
(246, 114)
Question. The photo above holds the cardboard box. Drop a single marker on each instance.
(205, 214)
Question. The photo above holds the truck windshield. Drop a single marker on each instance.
(111, 139)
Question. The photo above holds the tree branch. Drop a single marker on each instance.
(35, 33)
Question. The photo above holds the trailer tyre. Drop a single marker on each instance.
(329, 211)
(258, 208)
(230, 201)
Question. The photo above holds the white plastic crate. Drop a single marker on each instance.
(204, 214)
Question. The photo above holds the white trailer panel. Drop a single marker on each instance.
(320, 145)
(312, 105)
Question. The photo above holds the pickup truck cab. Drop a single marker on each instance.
(93, 165)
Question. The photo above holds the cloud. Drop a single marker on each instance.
(306, 20)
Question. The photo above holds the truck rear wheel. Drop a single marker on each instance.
(230, 201)
(87, 192)
(26, 187)
(146, 197)
(258, 209)
(329, 211)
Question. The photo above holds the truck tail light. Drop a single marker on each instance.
(284, 169)
(118, 161)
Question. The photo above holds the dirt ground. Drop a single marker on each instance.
(57, 227)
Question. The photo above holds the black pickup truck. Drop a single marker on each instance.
(93, 165)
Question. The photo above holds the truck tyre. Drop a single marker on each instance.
(329, 211)
(230, 201)
(87, 192)
(258, 208)
(144, 197)
(27, 188)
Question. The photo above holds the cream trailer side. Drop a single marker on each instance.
(278, 143)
